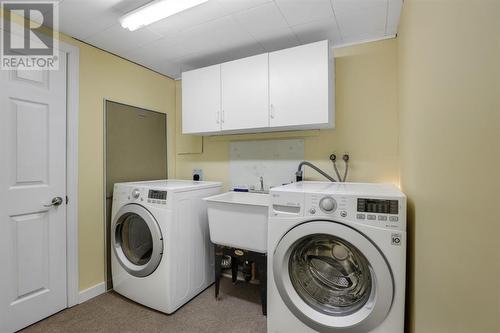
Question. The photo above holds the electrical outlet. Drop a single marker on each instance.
(197, 173)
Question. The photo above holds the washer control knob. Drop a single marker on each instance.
(328, 204)
(136, 193)
(312, 211)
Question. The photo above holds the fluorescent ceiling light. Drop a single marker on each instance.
(155, 11)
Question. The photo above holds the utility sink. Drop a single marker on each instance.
(239, 219)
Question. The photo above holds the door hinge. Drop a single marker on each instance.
(67, 200)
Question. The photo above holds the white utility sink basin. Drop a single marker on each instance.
(239, 219)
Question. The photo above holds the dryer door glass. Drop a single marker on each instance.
(330, 274)
(136, 240)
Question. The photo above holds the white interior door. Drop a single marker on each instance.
(32, 173)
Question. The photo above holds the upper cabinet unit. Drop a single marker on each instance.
(245, 94)
(201, 101)
(290, 89)
(299, 87)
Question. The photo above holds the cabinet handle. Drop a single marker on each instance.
(273, 114)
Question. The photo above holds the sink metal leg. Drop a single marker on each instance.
(234, 268)
(218, 268)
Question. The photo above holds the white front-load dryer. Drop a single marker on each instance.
(161, 255)
(336, 260)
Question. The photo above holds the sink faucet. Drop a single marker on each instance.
(261, 183)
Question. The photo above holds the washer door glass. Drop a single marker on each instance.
(332, 277)
(330, 274)
(137, 240)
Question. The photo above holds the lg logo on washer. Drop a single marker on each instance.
(396, 239)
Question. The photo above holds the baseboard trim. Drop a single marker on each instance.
(92, 292)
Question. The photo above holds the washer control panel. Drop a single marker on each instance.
(379, 212)
(328, 204)
(319, 204)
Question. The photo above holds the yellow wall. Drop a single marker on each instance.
(103, 75)
(366, 122)
(449, 103)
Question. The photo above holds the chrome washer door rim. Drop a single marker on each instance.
(365, 319)
(156, 235)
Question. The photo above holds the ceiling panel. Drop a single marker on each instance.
(299, 11)
(363, 21)
(211, 10)
(118, 40)
(223, 30)
(262, 19)
(393, 16)
(279, 39)
(319, 30)
(197, 61)
(353, 5)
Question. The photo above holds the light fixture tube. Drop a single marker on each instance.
(155, 11)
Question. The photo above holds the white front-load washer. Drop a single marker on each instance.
(161, 251)
(336, 259)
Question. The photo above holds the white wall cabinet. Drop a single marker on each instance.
(285, 90)
(299, 87)
(245, 93)
(201, 101)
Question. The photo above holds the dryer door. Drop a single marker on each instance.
(333, 278)
(137, 240)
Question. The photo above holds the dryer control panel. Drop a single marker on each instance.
(157, 195)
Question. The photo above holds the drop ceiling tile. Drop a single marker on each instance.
(214, 36)
(278, 40)
(299, 11)
(364, 38)
(119, 40)
(165, 67)
(203, 13)
(148, 57)
(171, 52)
(353, 5)
(393, 16)
(202, 60)
(143, 56)
(359, 22)
(318, 30)
(259, 21)
(208, 38)
(82, 29)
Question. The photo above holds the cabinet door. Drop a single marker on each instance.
(299, 85)
(201, 100)
(245, 93)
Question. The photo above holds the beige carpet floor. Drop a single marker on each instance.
(238, 310)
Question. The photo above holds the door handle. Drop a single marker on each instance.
(57, 201)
